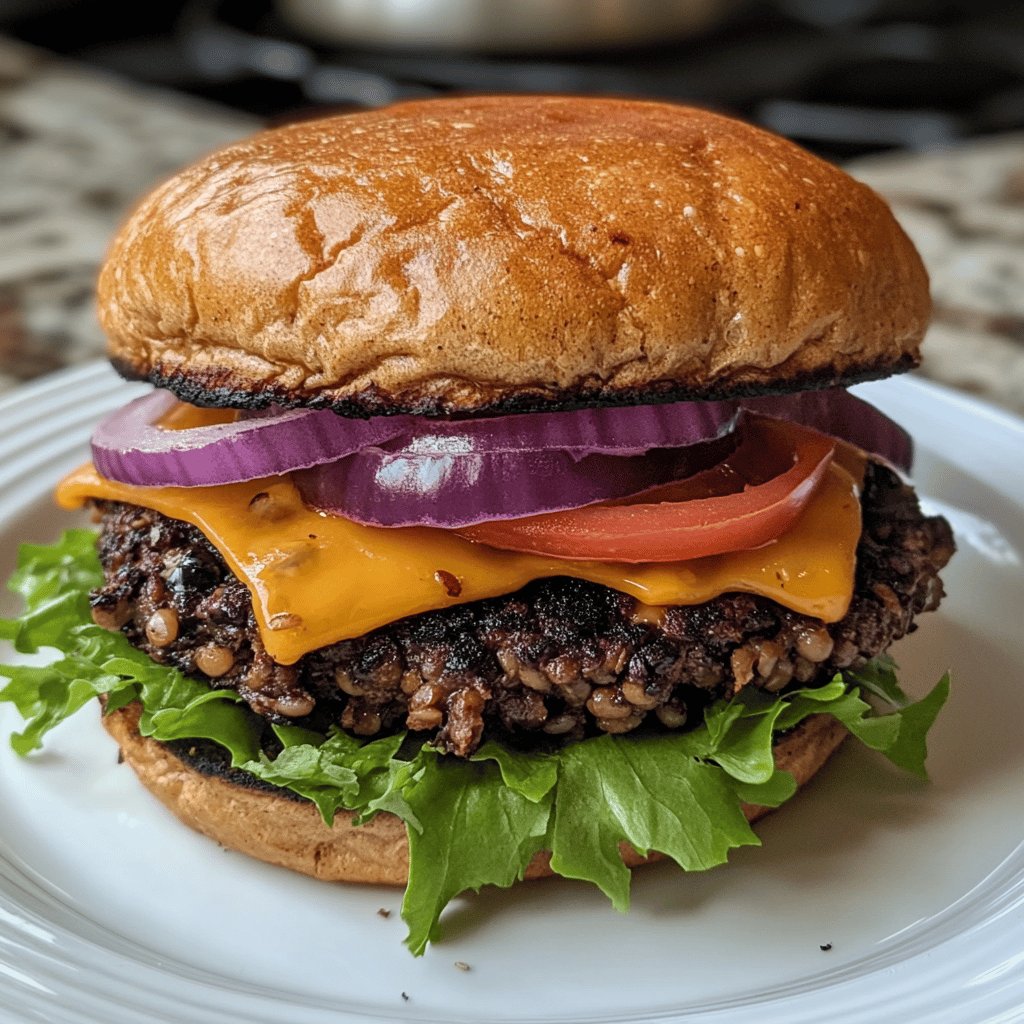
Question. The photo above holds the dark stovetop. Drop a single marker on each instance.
(843, 76)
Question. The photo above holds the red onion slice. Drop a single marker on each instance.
(128, 445)
(840, 414)
(378, 487)
(405, 470)
(454, 480)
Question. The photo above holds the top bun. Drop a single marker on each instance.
(509, 253)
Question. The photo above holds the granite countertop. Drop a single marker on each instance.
(77, 147)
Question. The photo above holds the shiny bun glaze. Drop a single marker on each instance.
(502, 253)
(290, 832)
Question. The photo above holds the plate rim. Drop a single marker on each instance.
(97, 372)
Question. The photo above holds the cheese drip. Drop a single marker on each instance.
(317, 579)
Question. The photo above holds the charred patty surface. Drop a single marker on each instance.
(561, 657)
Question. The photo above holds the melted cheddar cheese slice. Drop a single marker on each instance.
(317, 579)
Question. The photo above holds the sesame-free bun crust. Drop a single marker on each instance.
(290, 833)
(501, 253)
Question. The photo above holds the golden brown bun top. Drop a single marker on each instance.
(510, 252)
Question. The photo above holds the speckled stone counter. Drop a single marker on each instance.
(76, 148)
(964, 210)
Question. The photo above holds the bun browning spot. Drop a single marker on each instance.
(291, 833)
(500, 253)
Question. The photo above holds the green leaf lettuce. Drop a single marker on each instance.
(471, 822)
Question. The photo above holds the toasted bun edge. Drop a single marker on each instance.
(291, 833)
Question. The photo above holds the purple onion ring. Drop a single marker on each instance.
(409, 470)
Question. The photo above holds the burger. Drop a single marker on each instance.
(500, 510)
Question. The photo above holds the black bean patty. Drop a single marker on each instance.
(561, 658)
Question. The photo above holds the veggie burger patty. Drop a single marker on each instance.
(559, 658)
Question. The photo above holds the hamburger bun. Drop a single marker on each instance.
(288, 832)
(467, 255)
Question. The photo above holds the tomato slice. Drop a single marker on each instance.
(747, 500)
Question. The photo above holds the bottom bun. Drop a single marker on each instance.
(291, 833)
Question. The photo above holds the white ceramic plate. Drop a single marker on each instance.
(112, 912)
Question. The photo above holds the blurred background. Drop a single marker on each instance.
(924, 99)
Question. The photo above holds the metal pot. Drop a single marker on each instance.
(506, 26)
